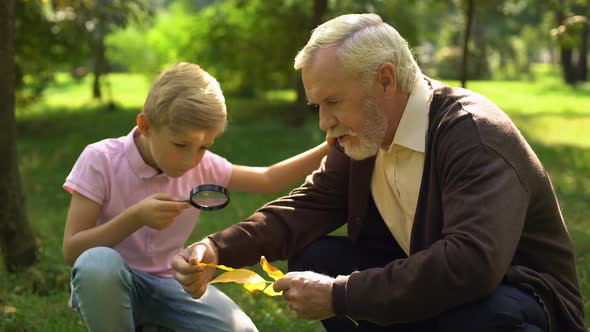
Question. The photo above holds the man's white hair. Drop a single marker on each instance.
(364, 42)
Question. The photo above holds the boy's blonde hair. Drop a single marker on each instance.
(364, 42)
(184, 96)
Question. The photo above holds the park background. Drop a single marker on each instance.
(75, 72)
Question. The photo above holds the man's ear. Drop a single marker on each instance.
(386, 78)
(143, 124)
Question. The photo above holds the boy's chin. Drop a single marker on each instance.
(174, 173)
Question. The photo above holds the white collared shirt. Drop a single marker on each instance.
(398, 171)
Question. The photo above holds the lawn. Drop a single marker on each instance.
(554, 118)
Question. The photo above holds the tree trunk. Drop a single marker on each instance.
(565, 52)
(99, 66)
(465, 60)
(17, 243)
(583, 56)
(320, 7)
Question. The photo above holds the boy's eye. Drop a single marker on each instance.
(180, 145)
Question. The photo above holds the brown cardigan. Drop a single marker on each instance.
(486, 214)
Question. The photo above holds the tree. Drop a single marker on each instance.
(470, 14)
(40, 47)
(572, 33)
(297, 118)
(16, 238)
(98, 18)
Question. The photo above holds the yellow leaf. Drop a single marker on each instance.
(8, 309)
(272, 271)
(255, 287)
(269, 291)
(241, 276)
(221, 267)
(251, 280)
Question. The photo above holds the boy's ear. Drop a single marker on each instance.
(143, 124)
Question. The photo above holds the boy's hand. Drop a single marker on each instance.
(193, 277)
(159, 210)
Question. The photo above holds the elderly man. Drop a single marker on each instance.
(453, 224)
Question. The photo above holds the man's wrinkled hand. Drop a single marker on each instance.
(309, 294)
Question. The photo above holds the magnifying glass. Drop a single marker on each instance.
(209, 197)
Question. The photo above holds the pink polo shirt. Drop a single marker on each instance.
(113, 174)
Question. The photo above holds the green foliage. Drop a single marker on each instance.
(33, 32)
(248, 45)
(448, 64)
(147, 49)
(573, 16)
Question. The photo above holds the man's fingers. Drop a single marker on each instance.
(282, 284)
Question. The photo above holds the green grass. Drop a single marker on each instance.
(554, 118)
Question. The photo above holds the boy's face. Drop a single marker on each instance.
(176, 152)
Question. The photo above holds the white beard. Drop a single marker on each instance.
(370, 137)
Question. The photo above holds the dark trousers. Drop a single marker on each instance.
(506, 309)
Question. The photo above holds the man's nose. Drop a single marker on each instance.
(327, 120)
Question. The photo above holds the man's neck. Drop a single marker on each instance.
(394, 116)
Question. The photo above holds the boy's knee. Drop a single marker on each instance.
(99, 264)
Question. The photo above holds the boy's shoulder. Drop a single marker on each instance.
(106, 150)
(108, 146)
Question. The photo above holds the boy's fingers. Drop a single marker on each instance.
(173, 206)
(197, 253)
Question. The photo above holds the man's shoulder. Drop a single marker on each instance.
(451, 105)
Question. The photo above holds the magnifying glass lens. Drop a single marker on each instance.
(209, 197)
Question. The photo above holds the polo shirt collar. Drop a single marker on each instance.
(411, 130)
(138, 165)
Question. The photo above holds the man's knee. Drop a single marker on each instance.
(330, 255)
(506, 309)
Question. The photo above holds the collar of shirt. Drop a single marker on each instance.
(411, 130)
(138, 165)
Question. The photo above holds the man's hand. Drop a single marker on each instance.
(309, 294)
(194, 278)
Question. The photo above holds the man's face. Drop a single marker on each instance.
(348, 111)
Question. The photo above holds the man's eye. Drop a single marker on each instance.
(180, 145)
(331, 102)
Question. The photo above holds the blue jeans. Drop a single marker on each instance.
(506, 309)
(110, 296)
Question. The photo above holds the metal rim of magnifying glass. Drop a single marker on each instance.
(209, 187)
